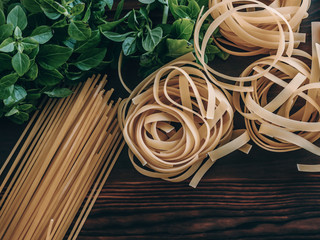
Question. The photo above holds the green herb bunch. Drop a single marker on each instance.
(45, 45)
(158, 42)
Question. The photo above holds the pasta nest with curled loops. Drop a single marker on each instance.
(258, 29)
(175, 119)
(284, 106)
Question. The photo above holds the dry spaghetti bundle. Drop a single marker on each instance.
(258, 29)
(176, 118)
(66, 152)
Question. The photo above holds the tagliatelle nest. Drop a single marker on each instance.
(279, 99)
(288, 119)
(258, 29)
(175, 120)
(244, 23)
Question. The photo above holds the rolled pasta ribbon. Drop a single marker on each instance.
(256, 31)
(176, 118)
(280, 98)
(230, 15)
(283, 112)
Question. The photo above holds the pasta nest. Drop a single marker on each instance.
(254, 27)
(175, 118)
(282, 101)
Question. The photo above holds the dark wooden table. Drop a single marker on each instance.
(255, 196)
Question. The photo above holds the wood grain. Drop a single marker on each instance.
(255, 196)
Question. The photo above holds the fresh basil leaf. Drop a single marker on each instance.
(90, 59)
(193, 9)
(217, 33)
(116, 37)
(19, 117)
(108, 3)
(29, 43)
(33, 71)
(17, 17)
(223, 55)
(60, 24)
(147, 59)
(131, 20)
(87, 15)
(18, 94)
(182, 28)
(6, 31)
(2, 18)
(136, 21)
(129, 46)
(42, 34)
(53, 56)
(59, 92)
(99, 7)
(178, 47)
(77, 9)
(92, 42)
(49, 77)
(6, 92)
(211, 51)
(144, 12)
(13, 111)
(8, 80)
(49, 11)
(118, 10)
(26, 107)
(7, 45)
(57, 6)
(74, 75)
(32, 53)
(19, 47)
(146, 1)
(31, 5)
(17, 33)
(20, 63)
(5, 61)
(108, 26)
(175, 9)
(166, 28)
(152, 39)
(79, 31)
(180, 12)
(70, 43)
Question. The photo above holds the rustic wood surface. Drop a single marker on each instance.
(255, 196)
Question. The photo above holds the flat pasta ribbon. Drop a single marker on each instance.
(175, 120)
(247, 30)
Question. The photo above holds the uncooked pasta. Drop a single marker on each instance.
(66, 152)
(175, 119)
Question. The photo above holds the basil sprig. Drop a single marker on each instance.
(157, 44)
(46, 45)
